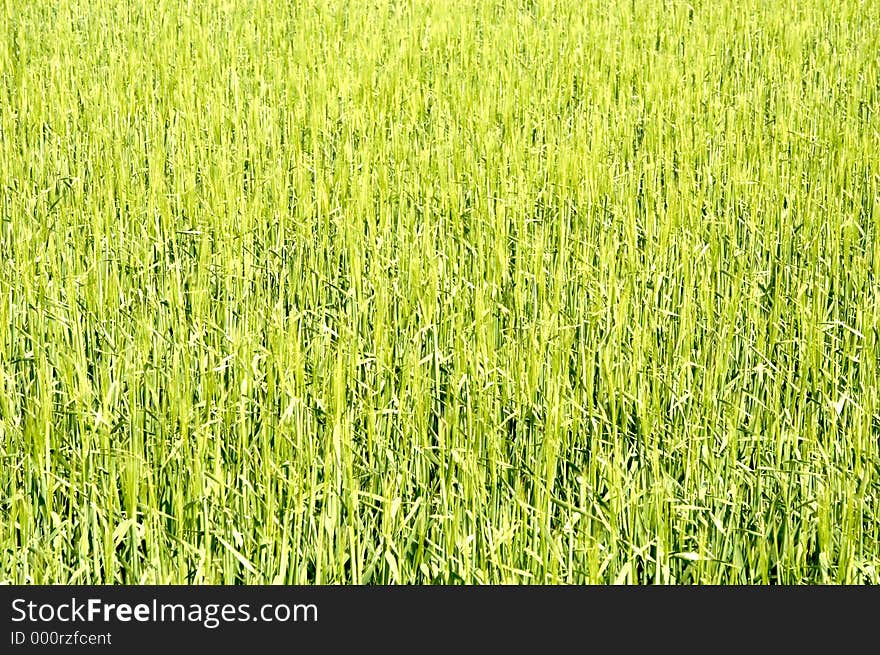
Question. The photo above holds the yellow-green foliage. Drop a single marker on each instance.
(439, 291)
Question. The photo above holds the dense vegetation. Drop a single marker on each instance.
(427, 291)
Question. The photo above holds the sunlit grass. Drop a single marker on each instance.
(416, 292)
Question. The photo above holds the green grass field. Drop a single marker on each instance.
(545, 291)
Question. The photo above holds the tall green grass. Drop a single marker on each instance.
(413, 292)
